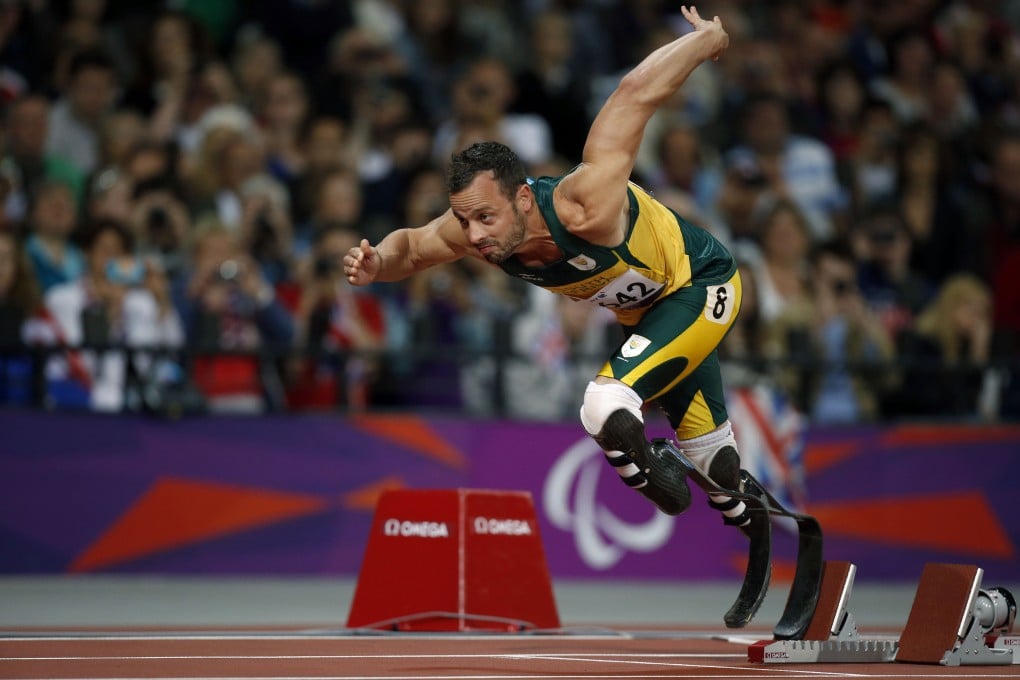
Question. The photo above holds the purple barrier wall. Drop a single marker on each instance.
(294, 495)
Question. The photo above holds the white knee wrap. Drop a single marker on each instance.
(602, 399)
(701, 450)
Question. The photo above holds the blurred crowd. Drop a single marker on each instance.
(180, 178)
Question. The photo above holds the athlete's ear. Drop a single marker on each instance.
(525, 198)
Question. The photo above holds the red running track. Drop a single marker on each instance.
(457, 656)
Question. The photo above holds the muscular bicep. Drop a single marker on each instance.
(599, 186)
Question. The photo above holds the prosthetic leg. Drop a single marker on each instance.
(653, 473)
(726, 479)
(611, 414)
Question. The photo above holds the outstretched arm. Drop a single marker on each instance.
(594, 195)
(406, 251)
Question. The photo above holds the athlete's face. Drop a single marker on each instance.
(492, 223)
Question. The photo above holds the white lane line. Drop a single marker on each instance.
(598, 659)
(533, 676)
(355, 657)
(90, 637)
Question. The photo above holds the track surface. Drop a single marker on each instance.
(283, 655)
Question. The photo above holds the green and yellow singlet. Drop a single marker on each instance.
(661, 253)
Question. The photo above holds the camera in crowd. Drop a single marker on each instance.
(125, 271)
(229, 272)
(325, 267)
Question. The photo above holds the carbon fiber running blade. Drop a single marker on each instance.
(756, 577)
(807, 579)
(759, 556)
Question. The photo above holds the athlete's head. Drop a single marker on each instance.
(486, 182)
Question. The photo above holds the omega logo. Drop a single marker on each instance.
(504, 527)
(405, 529)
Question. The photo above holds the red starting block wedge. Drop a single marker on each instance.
(953, 618)
(454, 560)
(831, 636)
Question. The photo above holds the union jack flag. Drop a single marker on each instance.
(770, 437)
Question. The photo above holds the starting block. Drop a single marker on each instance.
(952, 618)
(832, 635)
(952, 622)
(454, 560)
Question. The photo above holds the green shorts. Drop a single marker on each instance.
(669, 357)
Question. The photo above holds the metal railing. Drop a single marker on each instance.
(483, 382)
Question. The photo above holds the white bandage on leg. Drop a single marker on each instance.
(602, 400)
(701, 450)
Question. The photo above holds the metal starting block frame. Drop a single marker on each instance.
(832, 635)
(952, 622)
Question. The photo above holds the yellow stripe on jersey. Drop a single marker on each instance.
(657, 243)
(697, 420)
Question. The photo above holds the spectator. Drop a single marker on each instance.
(931, 205)
(337, 200)
(907, 85)
(21, 313)
(119, 301)
(27, 163)
(744, 187)
(894, 292)
(947, 355)
(358, 61)
(160, 224)
(481, 108)
(256, 61)
(780, 274)
(796, 166)
(952, 112)
(843, 349)
(381, 115)
(122, 130)
(687, 165)
(995, 226)
(52, 220)
(230, 312)
(226, 159)
(170, 52)
(557, 343)
(304, 27)
(283, 115)
(265, 229)
(553, 86)
(435, 46)
(77, 118)
(840, 98)
(871, 171)
(339, 328)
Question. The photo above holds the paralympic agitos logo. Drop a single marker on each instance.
(570, 499)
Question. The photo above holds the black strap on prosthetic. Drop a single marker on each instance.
(735, 521)
(803, 596)
(660, 479)
(633, 481)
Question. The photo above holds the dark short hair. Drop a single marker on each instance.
(92, 58)
(96, 229)
(482, 157)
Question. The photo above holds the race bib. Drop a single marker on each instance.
(719, 303)
(627, 291)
